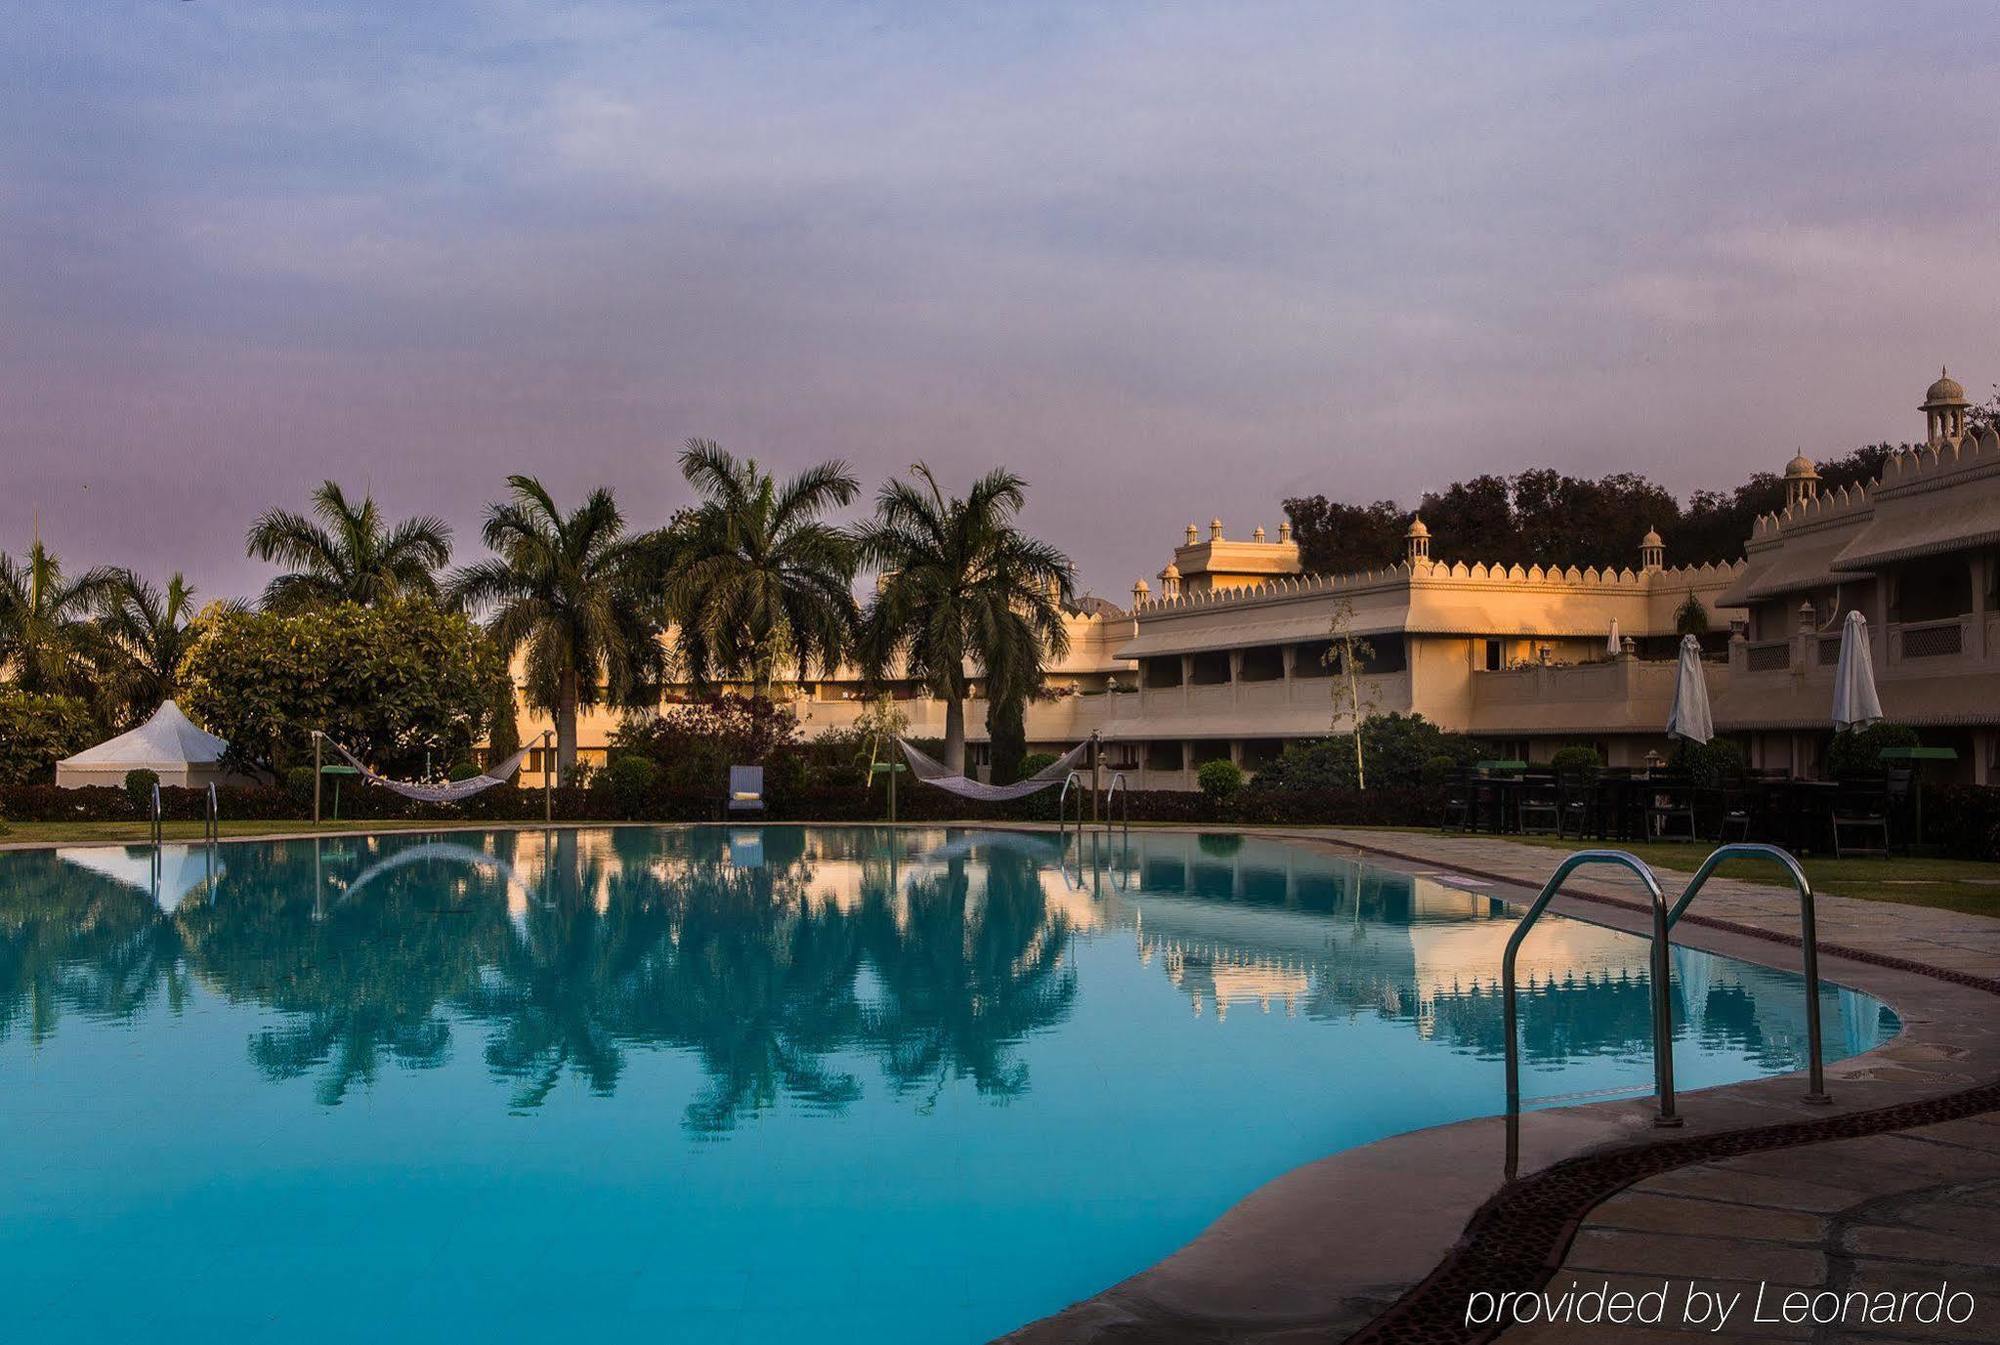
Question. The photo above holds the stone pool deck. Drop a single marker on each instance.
(1381, 1244)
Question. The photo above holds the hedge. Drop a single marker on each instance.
(1961, 821)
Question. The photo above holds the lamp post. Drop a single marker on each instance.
(548, 781)
(317, 777)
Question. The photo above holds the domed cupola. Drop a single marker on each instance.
(1944, 408)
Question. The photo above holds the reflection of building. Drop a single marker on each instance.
(1230, 658)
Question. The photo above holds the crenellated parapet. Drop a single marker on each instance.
(1908, 471)
(1427, 574)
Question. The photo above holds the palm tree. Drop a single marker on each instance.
(569, 591)
(48, 641)
(961, 585)
(148, 630)
(350, 554)
(759, 578)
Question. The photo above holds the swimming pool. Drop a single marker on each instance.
(742, 1084)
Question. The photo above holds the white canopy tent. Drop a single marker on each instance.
(168, 744)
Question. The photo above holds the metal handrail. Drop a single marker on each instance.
(1663, 1009)
(1120, 789)
(211, 831)
(156, 816)
(1808, 939)
(1062, 804)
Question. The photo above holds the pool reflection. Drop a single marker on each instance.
(806, 967)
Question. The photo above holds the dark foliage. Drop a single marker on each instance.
(1544, 517)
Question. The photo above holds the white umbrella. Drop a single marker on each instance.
(1690, 719)
(1611, 644)
(1855, 704)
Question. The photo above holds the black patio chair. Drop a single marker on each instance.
(1669, 804)
(1743, 807)
(1577, 812)
(1460, 802)
(1861, 808)
(1537, 804)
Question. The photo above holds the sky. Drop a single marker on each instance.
(1167, 261)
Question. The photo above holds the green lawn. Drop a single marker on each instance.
(141, 833)
(1949, 884)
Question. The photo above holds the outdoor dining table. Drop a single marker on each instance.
(1798, 813)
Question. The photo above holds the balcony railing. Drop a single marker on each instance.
(1770, 656)
(1933, 639)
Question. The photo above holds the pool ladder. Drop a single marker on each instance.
(1118, 789)
(1664, 918)
(211, 818)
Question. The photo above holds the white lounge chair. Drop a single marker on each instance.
(746, 790)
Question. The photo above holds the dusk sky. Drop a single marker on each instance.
(1166, 260)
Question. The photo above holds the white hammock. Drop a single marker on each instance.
(934, 772)
(450, 791)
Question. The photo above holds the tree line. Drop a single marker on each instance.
(1548, 518)
(751, 583)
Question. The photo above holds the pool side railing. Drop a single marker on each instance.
(1808, 940)
(1662, 1002)
(1664, 918)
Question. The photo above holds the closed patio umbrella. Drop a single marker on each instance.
(1855, 702)
(1690, 718)
(1611, 645)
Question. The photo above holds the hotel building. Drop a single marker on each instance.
(1229, 658)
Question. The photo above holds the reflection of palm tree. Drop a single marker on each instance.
(967, 981)
(729, 963)
(762, 987)
(359, 981)
(77, 941)
(547, 1002)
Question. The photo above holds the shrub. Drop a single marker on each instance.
(299, 788)
(1859, 751)
(389, 683)
(696, 744)
(1397, 751)
(139, 786)
(631, 780)
(1437, 769)
(1712, 763)
(1036, 762)
(37, 731)
(1576, 759)
(1220, 780)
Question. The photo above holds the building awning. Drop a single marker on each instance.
(1930, 525)
(1929, 702)
(1292, 721)
(1194, 637)
(1798, 565)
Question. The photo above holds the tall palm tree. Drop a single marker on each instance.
(350, 554)
(961, 585)
(48, 640)
(570, 590)
(147, 628)
(759, 577)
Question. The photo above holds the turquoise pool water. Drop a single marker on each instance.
(740, 1085)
